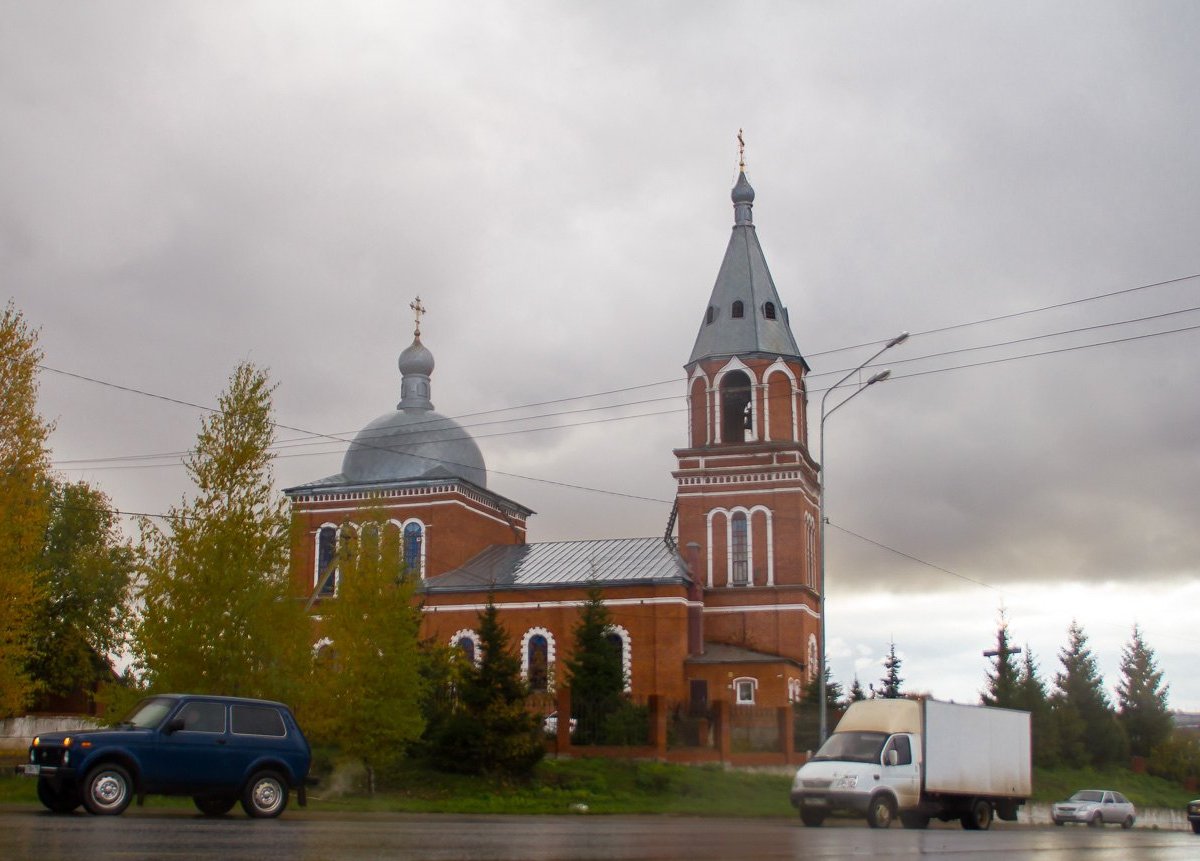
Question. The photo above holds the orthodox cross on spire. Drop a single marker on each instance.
(418, 309)
(741, 152)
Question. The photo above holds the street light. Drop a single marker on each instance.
(823, 729)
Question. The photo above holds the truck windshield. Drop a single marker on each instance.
(148, 713)
(853, 747)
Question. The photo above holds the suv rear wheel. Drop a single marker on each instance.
(107, 790)
(265, 795)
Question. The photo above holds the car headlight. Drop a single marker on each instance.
(849, 781)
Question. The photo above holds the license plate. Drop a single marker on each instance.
(32, 770)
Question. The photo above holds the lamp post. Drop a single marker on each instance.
(823, 730)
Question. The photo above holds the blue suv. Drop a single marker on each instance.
(219, 750)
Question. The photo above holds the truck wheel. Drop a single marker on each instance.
(265, 795)
(812, 818)
(214, 805)
(880, 812)
(63, 798)
(978, 817)
(107, 790)
(914, 820)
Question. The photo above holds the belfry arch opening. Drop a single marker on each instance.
(735, 406)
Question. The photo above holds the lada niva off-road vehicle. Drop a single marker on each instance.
(219, 750)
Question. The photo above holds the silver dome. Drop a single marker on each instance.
(408, 444)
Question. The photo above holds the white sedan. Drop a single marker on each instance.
(1096, 807)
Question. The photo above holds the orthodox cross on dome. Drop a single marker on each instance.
(418, 309)
(741, 152)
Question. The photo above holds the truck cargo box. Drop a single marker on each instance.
(971, 750)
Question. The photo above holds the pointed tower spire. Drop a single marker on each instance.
(744, 315)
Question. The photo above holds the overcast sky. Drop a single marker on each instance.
(187, 185)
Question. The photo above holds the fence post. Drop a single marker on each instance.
(787, 733)
(724, 729)
(658, 725)
(563, 707)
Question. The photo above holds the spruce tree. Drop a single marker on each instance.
(856, 694)
(1002, 676)
(1089, 733)
(1142, 698)
(1031, 697)
(596, 676)
(218, 615)
(24, 505)
(889, 685)
(491, 732)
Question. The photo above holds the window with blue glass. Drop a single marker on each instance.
(414, 534)
(326, 580)
(539, 663)
(467, 646)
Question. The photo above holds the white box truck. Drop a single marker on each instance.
(916, 760)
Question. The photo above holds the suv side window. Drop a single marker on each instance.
(203, 717)
(256, 720)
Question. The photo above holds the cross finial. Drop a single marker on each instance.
(741, 152)
(418, 309)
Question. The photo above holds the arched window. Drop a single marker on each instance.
(538, 656)
(744, 689)
(735, 406)
(738, 550)
(414, 535)
(466, 642)
(814, 657)
(738, 309)
(325, 579)
(769, 310)
(618, 636)
(710, 315)
(810, 550)
(467, 646)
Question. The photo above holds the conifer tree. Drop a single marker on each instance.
(366, 694)
(807, 711)
(218, 615)
(1002, 677)
(1088, 730)
(1142, 698)
(491, 732)
(24, 504)
(596, 676)
(857, 694)
(1031, 697)
(86, 574)
(889, 685)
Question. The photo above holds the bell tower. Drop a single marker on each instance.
(747, 487)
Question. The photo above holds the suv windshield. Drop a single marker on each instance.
(853, 747)
(148, 713)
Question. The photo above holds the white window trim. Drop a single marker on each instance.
(737, 690)
(734, 364)
(749, 512)
(626, 654)
(778, 367)
(337, 574)
(468, 634)
(550, 656)
(424, 541)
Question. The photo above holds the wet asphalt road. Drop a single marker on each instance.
(28, 833)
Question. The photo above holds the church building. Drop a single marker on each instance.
(723, 607)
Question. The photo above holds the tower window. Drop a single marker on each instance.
(326, 552)
(769, 310)
(710, 315)
(735, 403)
(738, 308)
(738, 550)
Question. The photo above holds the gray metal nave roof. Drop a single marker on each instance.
(608, 562)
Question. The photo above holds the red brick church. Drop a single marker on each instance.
(726, 609)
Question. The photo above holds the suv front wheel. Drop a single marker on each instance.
(265, 795)
(107, 790)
